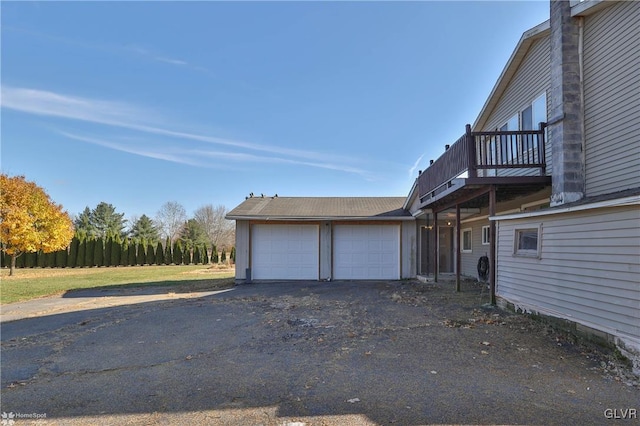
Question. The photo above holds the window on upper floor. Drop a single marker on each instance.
(509, 144)
(529, 118)
(539, 106)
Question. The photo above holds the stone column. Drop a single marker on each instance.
(566, 134)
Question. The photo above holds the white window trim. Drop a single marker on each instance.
(535, 121)
(486, 231)
(527, 252)
(462, 232)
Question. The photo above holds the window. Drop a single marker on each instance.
(465, 244)
(508, 144)
(527, 242)
(539, 107)
(523, 148)
(485, 235)
(527, 118)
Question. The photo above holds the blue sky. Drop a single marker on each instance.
(140, 103)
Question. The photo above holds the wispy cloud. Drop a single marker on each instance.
(132, 149)
(154, 56)
(142, 52)
(413, 168)
(126, 116)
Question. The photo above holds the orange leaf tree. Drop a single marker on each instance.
(29, 220)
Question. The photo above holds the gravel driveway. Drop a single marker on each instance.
(309, 353)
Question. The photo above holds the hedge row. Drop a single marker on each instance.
(97, 252)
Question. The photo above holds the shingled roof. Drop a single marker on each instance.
(301, 208)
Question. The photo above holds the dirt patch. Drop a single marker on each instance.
(212, 270)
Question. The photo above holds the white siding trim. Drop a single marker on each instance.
(627, 201)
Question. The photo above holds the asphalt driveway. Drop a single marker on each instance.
(307, 353)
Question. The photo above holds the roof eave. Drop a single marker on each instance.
(321, 218)
(412, 194)
(588, 7)
(528, 37)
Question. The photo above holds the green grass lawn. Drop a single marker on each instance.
(28, 284)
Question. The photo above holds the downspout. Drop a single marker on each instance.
(435, 247)
(492, 246)
(582, 120)
(458, 249)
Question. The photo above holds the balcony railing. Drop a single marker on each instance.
(486, 154)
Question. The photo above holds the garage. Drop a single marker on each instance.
(366, 252)
(323, 238)
(285, 252)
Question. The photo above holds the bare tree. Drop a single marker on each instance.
(170, 219)
(219, 230)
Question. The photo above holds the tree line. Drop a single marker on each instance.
(36, 232)
(97, 252)
(207, 226)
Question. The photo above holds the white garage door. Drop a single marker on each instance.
(284, 252)
(366, 252)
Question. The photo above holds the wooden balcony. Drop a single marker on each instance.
(486, 155)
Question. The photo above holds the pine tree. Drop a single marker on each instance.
(144, 229)
(223, 258)
(168, 256)
(30, 259)
(186, 256)
(105, 221)
(177, 253)
(205, 255)
(196, 256)
(73, 253)
(151, 254)
(88, 256)
(214, 255)
(108, 245)
(83, 226)
(82, 253)
(20, 261)
(159, 254)
(49, 259)
(116, 250)
(133, 260)
(61, 258)
(124, 253)
(142, 255)
(98, 252)
(233, 255)
(192, 235)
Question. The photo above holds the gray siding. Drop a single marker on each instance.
(326, 250)
(530, 81)
(612, 98)
(408, 250)
(469, 261)
(587, 271)
(242, 248)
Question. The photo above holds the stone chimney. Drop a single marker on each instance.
(566, 130)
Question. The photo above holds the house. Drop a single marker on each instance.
(545, 183)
